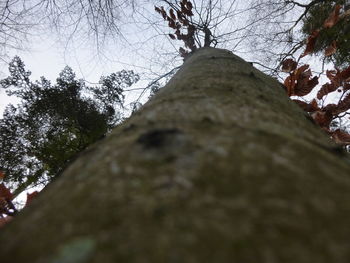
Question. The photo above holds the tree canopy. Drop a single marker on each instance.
(54, 122)
(337, 36)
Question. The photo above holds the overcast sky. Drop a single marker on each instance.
(143, 46)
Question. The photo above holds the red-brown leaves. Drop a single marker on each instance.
(298, 83)
(310, 85)
(5, 192)
(289, 65)
(341, 137)
(3, 205)
(345, 75)
(325, 89)
(172, 24)
(186, 8)
(30, 197)
(310, 43)
(161, 11)
(189, 6)
(6, 206)
(172, 14)
(333, 17)
(322, 118)
(343, 105)
(308, 107)
(331, 49)
(183, 52)
(331, 74)
(178, 19)
(337, 79)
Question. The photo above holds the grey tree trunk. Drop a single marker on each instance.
(220, 166)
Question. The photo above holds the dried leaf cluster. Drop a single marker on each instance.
(179, 19)
(300, 83)
(7, 208)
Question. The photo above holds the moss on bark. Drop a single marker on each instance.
(220, 166)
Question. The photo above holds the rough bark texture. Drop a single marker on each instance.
(220, 166)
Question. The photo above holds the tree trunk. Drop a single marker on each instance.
(220, 166)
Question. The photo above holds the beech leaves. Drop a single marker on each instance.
(300, 82)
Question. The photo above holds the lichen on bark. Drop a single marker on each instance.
(219, 166)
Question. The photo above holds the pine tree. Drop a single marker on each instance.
(53, 123)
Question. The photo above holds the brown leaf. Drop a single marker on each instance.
(305, 86)
(289, 84)
(183, 8)
(310, 43)
(289, 65)
(178, 34)
(343, 105)
(331, 74)
(331, 108)
(337, 77)
(312, 83)
(3, 205)
(189, 5)
(161, 11)
(172, 24)
(182, 18)
(308, 107)
(2, 175)
(172, 14)
(5, 192)
(298, 83)
(346, 86)
(191, 29)
(322, 118)
(341, 137)
(314, 105)
(183, 52)
(326, 89)
(331, 49)
(189, 13)
(179, 15)
(157, 9)
(31, 196)
(345, 74)
(333, 17)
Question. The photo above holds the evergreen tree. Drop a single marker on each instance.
(337, 35)
(53, 123)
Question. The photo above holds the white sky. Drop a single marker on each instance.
(143, 47)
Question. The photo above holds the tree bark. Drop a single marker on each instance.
(220, 166)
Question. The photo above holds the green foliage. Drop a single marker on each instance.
(53, 123)
(340, 32)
